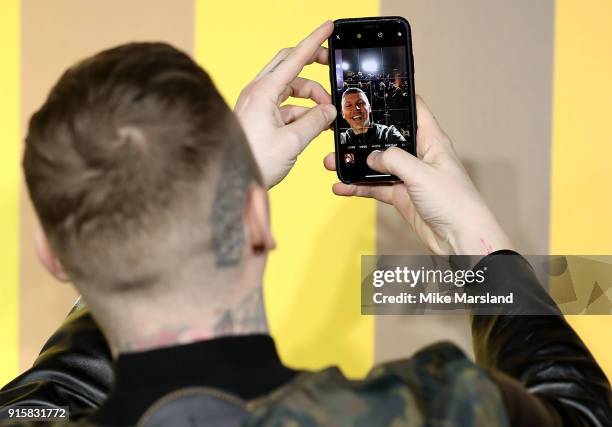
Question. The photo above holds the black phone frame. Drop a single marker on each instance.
(370, 25)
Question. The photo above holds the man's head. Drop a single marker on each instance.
(356, 108)
(141, 176)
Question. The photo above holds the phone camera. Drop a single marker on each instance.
(358, 35)
(380, 35)
(399, 33)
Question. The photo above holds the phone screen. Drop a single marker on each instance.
(372, 82)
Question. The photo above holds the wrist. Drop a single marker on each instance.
(480, 239)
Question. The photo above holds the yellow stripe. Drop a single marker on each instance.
(581, 204)
(9, 189)
(312, 281)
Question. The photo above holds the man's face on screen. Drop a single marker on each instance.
(356, 110)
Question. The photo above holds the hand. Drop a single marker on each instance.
(278, 134)
(436, 195)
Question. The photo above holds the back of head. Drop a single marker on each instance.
(134, 164)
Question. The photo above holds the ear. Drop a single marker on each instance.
(48, 257)
(257, 220)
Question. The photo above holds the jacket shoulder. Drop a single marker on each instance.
(438, 386)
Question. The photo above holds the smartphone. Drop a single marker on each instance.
(372, 79)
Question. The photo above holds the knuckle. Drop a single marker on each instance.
(446, 143)
(258, 88)
(254, 87)
(248, 89)
(284, 51)
(321, 116)
(387, 155)
(394, 153)
(307, 84)
(317, 85)
(364, 191)
(294, 138)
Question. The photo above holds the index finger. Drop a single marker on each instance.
(304, 53)
(320, 57)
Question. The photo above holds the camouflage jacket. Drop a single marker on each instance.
(439, 386)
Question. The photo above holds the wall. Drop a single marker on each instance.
(522, 88)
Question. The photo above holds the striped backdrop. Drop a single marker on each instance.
(522, 87)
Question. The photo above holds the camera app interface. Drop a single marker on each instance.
(374, 101)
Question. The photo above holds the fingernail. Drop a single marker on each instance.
(330, 112)
(373, 155)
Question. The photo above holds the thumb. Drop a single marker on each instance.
(311, 124)
(398, 162)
